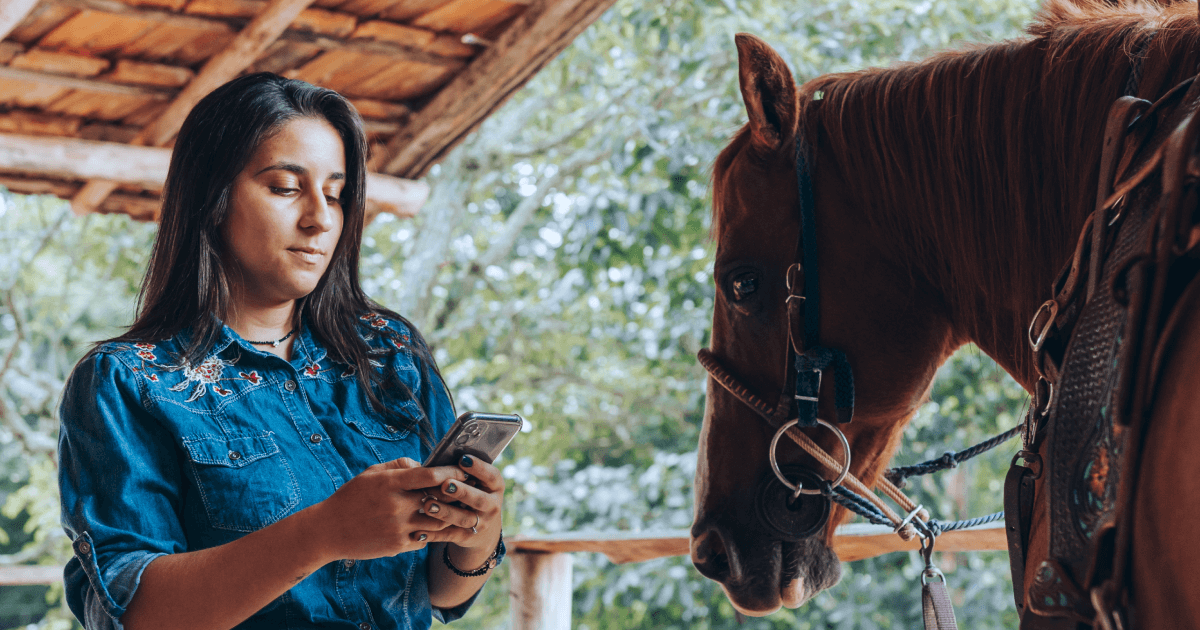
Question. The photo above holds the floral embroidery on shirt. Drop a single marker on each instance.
(253, 377)
(401, 341)
(222, 391)
(152, 377)
(349, 371)
(312, 370)
(145, 351)
(375, 320)
(207, 373)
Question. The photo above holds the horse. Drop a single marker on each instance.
(948, 194)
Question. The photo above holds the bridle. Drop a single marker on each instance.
(807, 362)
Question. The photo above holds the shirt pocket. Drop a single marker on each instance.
(245, 482)
(388, 436)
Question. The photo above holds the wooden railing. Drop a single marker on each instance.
(540, 573)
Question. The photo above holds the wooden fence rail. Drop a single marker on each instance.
(540, 573)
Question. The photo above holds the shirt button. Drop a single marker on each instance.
(391, 428)
(290, 386)
(348, 564)
(85, 548)
(364, 626)
(234, 455)
(315, 438)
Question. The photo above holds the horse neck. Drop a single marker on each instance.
(987, 166)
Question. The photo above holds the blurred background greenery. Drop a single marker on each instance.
(562, 270)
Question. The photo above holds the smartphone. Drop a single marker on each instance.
(478, 434)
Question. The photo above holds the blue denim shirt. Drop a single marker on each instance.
(157, 457)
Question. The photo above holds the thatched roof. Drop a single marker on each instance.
(91, 89)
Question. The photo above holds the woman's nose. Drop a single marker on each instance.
(320, 213)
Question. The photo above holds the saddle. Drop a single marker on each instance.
(1097, 348)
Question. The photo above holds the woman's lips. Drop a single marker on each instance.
(308, 255)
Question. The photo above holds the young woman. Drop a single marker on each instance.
(247, 454)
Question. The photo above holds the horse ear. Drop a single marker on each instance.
(768, 91)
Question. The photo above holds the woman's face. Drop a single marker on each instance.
(284, 217)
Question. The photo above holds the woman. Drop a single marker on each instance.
(247, 453)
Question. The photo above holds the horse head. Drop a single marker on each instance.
(947, 195)
(893, 328)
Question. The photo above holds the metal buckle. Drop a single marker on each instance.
(799, 489)
(816, 398)
(1050, 306)
(1043, 394)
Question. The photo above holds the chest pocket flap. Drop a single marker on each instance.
(235, 452)
(245, 481)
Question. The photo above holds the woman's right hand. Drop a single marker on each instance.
(372, 515)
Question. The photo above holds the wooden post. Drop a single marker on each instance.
(540, 590)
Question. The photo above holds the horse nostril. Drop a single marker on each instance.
(709, 556)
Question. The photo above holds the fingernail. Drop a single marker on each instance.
(434, 508)
(421, 511)
(451, 487)
(421, 538)
(467, 462)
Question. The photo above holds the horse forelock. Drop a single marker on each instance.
(972, 161)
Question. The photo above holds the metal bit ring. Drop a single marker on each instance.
(800, 489)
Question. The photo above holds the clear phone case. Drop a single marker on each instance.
(478, 434)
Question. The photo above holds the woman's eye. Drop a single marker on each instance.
(744, 286)
(278, 190)
(332, 200)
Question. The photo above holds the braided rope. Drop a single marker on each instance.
(949, 459)
(938, 527)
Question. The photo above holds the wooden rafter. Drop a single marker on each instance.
(536, 37)
(418, 45)
(116, 163)
(249, 43)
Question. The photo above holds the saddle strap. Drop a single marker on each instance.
(935, 603)
(1018, 515)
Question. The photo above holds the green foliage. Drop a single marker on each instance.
(562, 269)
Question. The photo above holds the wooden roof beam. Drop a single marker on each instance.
(245, 48)
(115, 163)
(533, 39)
(365, 44)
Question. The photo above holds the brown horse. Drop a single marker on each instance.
(948, 195)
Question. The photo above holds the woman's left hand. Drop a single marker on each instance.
(477, 523)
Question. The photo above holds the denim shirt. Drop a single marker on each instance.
(158, 457)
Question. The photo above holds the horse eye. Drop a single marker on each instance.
(744, 285)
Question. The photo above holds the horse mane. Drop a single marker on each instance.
(978, 158)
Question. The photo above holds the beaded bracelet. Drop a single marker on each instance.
(488, 564)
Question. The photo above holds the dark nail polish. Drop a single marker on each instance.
(434, 508)
(451, 487)
(467, 462)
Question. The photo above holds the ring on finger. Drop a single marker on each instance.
(473, 530)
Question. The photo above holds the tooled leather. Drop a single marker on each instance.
(1086, 454)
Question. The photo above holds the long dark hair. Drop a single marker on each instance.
(187, 286)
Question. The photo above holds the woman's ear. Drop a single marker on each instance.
(768, 91)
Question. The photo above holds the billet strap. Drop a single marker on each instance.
(936, 606)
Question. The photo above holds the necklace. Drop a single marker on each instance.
(273, 344)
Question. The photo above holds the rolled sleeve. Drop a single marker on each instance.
(119, 481)
(446, 615)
